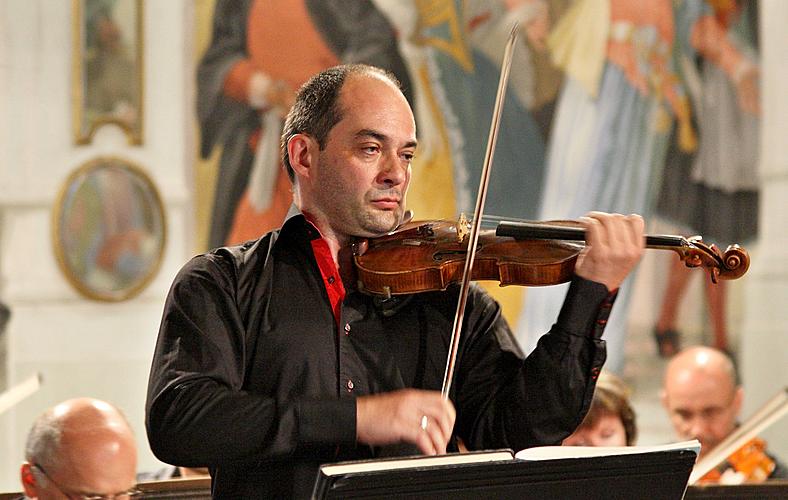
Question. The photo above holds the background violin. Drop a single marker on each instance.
(748, 464)
(430, 255)
(744, 453)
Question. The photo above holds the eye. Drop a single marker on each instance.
(408, 156)
(711, 413)
(371, 149)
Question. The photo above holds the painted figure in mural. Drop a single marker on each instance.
(714, 192)
(247, 81)
(110, 69)
(111, 231)
(620, 96)
(456, 48)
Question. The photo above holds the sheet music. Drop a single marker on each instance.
(555, 452)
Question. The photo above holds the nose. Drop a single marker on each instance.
(394, 171)
(697, 428)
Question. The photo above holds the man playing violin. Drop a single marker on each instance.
(270, 361)
(703, 399)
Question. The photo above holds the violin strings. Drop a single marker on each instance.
(489, 221)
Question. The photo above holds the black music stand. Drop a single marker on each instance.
(654, 475)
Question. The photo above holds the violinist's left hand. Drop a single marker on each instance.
(614, 245)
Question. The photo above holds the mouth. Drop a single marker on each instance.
(386, 203)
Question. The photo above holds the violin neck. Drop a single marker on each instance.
(540, 231)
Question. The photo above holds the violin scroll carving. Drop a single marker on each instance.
(729, 265)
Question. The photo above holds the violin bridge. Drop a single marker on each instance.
(463, 228)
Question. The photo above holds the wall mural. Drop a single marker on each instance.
(604, 98)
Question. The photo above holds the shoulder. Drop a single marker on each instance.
(230, 263)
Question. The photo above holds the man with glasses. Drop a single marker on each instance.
(81, 448)
(703, 398)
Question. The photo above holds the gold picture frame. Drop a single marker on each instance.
(107, 85)
(109, 229)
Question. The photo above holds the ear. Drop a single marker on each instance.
(663, 397)
(28, 480)
(738, 399)
(302, 149)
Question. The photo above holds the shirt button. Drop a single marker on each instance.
(350, 385)
(347, 328)
(331, 280)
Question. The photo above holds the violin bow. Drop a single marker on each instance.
(768, 414)
(473, 236)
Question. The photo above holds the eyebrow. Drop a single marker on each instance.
(382, 137)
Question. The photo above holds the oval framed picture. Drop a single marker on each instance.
(109, 229)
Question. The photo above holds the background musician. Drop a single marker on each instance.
(80, 448)
(703, 398)
(611, 419)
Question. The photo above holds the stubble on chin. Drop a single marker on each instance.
(378, 223)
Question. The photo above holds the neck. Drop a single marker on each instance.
(341, 247)
(336, 241)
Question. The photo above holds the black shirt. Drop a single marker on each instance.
(253, 376)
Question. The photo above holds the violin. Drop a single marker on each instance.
(744, 453)
(430, 255)
(748, 464)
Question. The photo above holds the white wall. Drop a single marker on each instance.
(82, 347)
(764, 356)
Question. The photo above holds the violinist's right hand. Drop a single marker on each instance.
(399, 416)
(614, 245)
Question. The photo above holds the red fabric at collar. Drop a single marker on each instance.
(331, 279)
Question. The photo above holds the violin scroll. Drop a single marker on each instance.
(728, 265)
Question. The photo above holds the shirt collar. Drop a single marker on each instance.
(296, 220)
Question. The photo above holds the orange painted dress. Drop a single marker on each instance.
(289, 41)
(284, 44)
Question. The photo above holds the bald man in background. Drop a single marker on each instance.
(703, 398)
(80, 447)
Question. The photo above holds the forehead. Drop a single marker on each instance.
(371, 101)
(697, 390)
(601, 417)
(101, 460)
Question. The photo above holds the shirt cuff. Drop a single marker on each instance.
(327, 421)
(586, 308)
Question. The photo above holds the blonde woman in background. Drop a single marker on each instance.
(611, 420)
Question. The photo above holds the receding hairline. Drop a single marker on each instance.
(701, 360)
(69, 419)
(319, 107)
(373, 73)
(362, 72)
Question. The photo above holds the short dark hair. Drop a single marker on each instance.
(316, 109)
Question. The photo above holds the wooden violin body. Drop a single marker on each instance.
(748, 464)
(430, 255)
